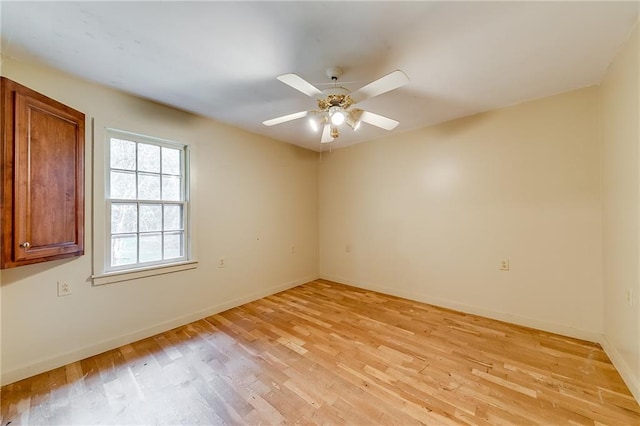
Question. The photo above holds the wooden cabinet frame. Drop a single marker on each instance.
(42, 178)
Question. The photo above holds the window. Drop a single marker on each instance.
(146, 202)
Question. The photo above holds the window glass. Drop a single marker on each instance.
(150, 217)
(170, 161)
(123, 185)
(148, 158)
(123, 154)
(124, 218)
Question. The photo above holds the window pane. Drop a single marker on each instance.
(148, 187)
(150, 217)
(150, 247)
(124, 218)
(123, 154)
(171, 188)
(172, 218)
(171, 161)
(148, 158)
(122, 185)
(124, 249)
(173, 246)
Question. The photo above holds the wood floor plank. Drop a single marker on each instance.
(326, 353)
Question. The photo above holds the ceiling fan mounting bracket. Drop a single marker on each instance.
(334, 73)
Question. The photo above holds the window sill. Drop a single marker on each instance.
(133, 274)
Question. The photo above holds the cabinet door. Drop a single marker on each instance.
(47, 179)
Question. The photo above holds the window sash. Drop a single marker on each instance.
(162, 232)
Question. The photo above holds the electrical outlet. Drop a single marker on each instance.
(221, 263)
(293, 249)
(504, 265)
(347, 248)
(64, 288)
(629, 297)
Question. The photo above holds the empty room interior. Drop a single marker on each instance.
(320, 213)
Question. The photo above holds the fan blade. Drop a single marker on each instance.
(378, 120)
(300, 84)
(326, 134)
(382, 85)
(285, 118)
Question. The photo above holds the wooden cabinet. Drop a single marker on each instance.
(42, 178)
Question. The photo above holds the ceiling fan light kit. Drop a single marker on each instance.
(354, 118)
(337, 115)
(334, 104)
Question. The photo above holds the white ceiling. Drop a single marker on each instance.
(221, 59)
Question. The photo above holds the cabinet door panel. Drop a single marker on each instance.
(46, 198)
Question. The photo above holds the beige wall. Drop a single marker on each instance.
(253, 199)
(621, 211)
(429, 214)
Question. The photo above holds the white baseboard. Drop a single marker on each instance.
(632, 382)
(59, 360)
(475, 310)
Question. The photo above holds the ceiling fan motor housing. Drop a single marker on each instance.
(342, 100)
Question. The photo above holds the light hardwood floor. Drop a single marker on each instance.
(325, 353)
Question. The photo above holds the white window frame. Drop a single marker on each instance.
(103, 271)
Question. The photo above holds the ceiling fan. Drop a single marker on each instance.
(334, 103)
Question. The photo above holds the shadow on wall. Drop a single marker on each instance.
(13, 275)
(152, 110)
(461, 126)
